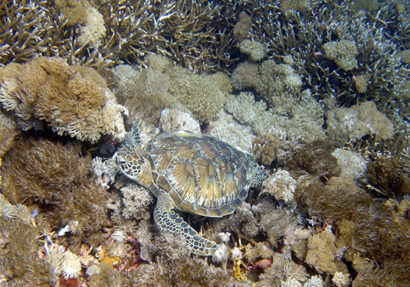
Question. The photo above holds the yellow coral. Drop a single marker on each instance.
(237, 273)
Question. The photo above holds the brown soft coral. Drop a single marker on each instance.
(390, 175)
(316, 158)
(8, 132)
(67, 98)
(59, 179)
(298, 157)
(19, 264)
(364, 226)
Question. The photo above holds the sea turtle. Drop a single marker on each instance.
(193, 173)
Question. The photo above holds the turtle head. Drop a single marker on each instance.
(135, 166)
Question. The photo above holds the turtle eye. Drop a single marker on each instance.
(120, 159)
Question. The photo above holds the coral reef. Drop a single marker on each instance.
(91, 22)
(305, 123)
(389, 176)
(317, 90)
(160, 86)
(70, 100)
(255, 50)
(280, 185)
(57, 178)
(376, 230)
(357, 121)
(227, 129)
(173, 119)
(343, 52)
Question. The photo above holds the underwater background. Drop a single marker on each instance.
(316, 91)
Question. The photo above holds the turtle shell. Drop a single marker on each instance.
(202, 174)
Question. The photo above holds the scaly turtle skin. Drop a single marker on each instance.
(191, 173)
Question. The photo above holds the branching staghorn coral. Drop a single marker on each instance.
(71, 100)
(193, 34)
(29, 28)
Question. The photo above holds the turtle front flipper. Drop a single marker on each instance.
(169, 221)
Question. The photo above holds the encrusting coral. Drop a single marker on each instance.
(254, 49)
(357, 121)
(59, 179)
(343, 52)
(71, 100)
(91, 22)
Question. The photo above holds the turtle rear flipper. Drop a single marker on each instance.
(169, 221)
